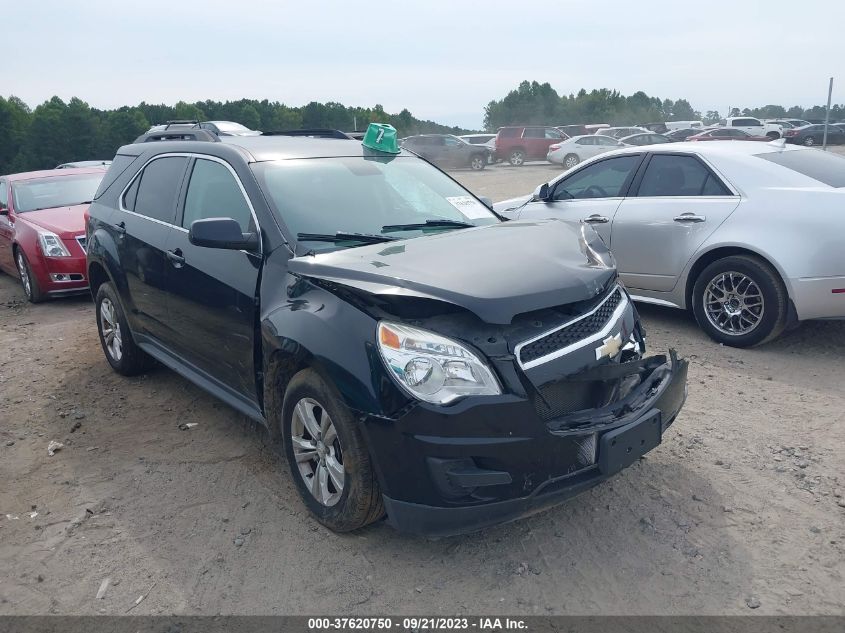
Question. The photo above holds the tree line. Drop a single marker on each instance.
(56, 132)
(536, 103)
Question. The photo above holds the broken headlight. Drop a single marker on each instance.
(431, 367)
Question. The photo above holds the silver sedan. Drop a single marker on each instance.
(749, 236)
(579, 148)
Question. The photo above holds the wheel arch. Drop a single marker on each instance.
(97, 276)
(720, 252)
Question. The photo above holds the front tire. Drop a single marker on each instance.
(327, 455)
(28, 281)
(121, 351)
(517, 158)
(478, 162)
(740, 301)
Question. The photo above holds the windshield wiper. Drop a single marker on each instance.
(457, 224)
(342, 236)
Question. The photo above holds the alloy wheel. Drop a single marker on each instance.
(110, 328)
(809, 141)
(317, 451)
(477, 162)
(517, 158)
(733, 303)
(570, 162)
(24, 273)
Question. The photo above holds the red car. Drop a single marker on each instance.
(726, 134)
(42, 229)
(517, 144)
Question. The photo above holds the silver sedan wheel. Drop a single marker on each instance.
(570, 161)
(733, 303)
(23, 271)
(317, 450)
(477, 162)
(110, 328)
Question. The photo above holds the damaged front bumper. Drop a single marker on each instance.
(487, 460)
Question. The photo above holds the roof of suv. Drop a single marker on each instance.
(263, 148)
(49, 173)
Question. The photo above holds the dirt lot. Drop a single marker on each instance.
(741, 507)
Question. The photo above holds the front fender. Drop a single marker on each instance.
(307, 325)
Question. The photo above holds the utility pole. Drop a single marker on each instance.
(827, 113)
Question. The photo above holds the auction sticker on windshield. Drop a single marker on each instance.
(470, 207)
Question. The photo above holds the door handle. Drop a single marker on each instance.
(175, 257)
(596, 219)
(120, 228)
(690, 217)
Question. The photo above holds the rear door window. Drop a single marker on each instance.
(4, 195)
(825, 167)
(534, 132)
(605, 179)
(674, 175)
(159, 188)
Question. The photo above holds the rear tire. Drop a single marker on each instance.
(570, 160)
(809, 141)
(28, 281)
(328, 456)
(517, 158)
(773, 136)
(120, 349)
(478, 162)
(742, 293)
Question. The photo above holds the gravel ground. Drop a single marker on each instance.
(740, 508)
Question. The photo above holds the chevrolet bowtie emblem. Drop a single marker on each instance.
(610, 347)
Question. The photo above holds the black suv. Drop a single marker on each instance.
(447, 151)
(416, 355)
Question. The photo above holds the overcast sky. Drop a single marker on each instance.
(442, 59)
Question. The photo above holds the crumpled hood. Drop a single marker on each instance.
(66, 222)
(495, 271)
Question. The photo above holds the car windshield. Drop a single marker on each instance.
(366, 195)
(56, 191)
(229, 126)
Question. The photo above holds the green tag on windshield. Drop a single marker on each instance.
(382, 138)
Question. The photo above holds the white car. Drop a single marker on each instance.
(749, 236)
(578, 148)
(755, 127)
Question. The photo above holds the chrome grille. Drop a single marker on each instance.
(572, 333)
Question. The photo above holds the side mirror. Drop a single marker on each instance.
(542, 192)
(4, 210)
(487, 201)
(221, 233)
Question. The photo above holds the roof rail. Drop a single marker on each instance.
(312, 132)
(184, 134)
(181, 122)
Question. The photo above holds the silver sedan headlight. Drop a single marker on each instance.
(431, 367)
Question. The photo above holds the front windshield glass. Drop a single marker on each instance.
(369, 195)
(57, 191)
(229, 126)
